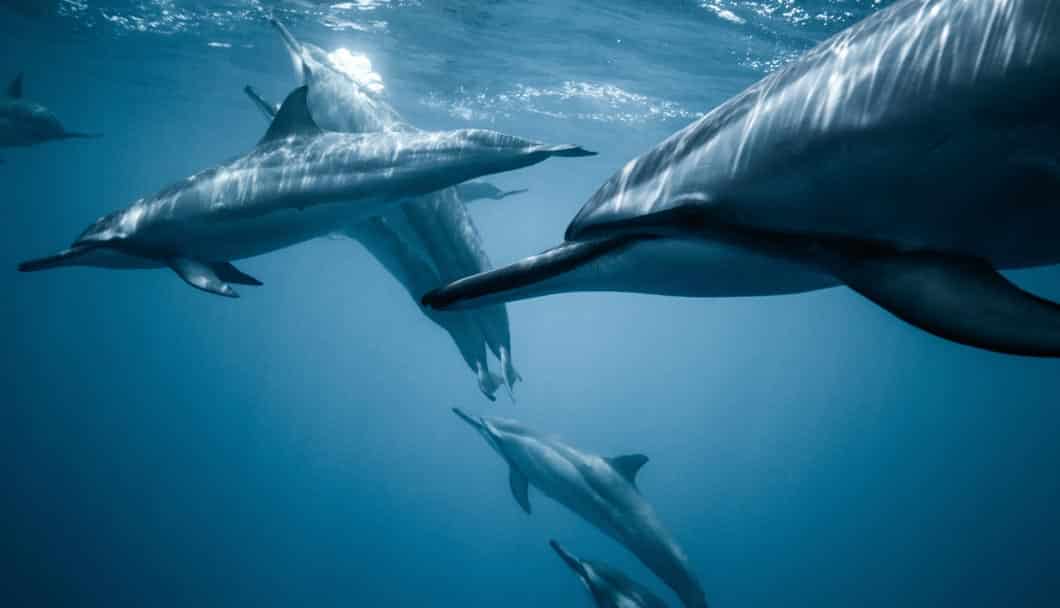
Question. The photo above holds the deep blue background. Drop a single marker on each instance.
(161, 447)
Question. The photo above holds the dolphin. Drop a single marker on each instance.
(609, 587)
(437, 226)
(473, 191)
(603, 491)
(298, 183)
(908, 157)
(26, 123)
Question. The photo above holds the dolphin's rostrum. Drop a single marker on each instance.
(609, 587)
(603, 491)
(908, 157)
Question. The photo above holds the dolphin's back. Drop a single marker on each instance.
(835, 142)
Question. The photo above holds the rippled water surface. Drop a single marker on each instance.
(295, 447)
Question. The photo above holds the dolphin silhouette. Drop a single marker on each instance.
(297, 184)
(907, 157)
(609, 587)
(27, 123)
(435, 228)
(603, 491)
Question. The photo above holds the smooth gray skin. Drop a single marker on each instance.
(387, 240)
(299, 183)
(610, 588)
(27, 123)
(908, 157)
(435, 229)
(600, 490)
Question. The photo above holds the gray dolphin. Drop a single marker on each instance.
(603, 491)
(609, 587)
(908, 157)
(299, 183)
(26, 123)
(437, 226)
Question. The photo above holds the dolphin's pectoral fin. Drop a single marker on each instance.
(201, 276)
(293, 118)
(15, 88)
(230, 274)
(520, 489)
(628, 466)
(957, 298)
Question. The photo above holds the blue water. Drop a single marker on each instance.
(162, 447)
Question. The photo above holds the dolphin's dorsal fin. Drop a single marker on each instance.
(628, 466)
(15, 88)
(293, 118)
(520, 488)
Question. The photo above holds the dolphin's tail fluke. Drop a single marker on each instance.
(488, 381)
(511, 375)
(531, 277)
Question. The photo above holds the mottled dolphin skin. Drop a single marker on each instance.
(27, 123)
(609, 587)
(908, 157)
(435, 228)
(299, 183)
(602, 491)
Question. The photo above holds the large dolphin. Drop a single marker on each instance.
(609, 587)
(437, 226)
(387, 238)
(908, 157)
(297, 184)
(603, 491)
(26, 123)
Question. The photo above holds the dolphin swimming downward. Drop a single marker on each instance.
(907, 157)
(297, 184)
(25, 123)
(603, 491)
(424, 242)
(609, 587)
(411, 266)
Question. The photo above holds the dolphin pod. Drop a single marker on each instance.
(27, 123)
(609, 587)
(603, 491)
(299, 183)
(424, 242)
(908, 157)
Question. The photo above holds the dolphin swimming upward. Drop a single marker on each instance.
(432, 235)
(603, 491)
(609, 587)
(25, 123)
(907, 157)
(297, 184)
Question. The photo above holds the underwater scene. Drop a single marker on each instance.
(531, 303)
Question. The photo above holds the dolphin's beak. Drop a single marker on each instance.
(468, 418)
(574, 563)
(65, 257)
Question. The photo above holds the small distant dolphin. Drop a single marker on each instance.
(436, 227)
(26, 123)
(603, 491)
(609, 587)
(907, 157)
(299, 183)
